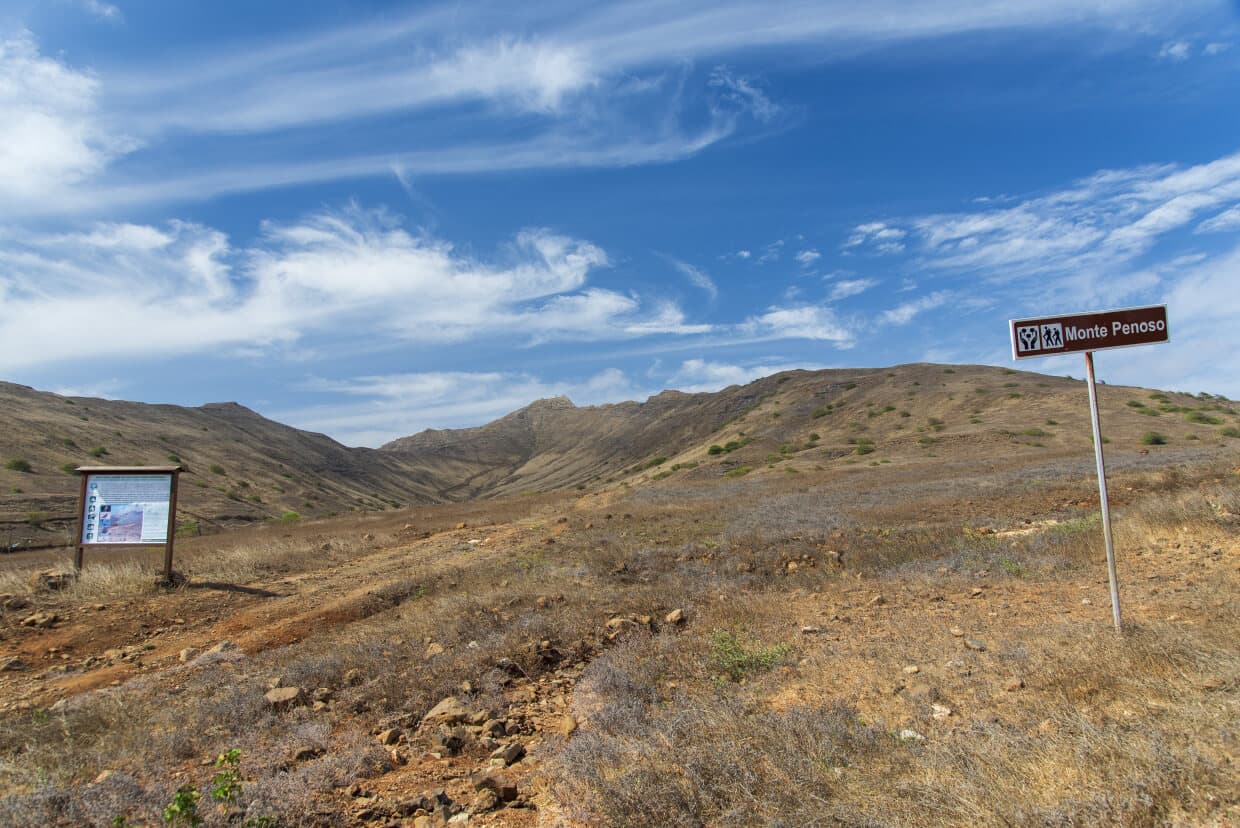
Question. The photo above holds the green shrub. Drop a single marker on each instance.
(715, 449)
(949, 370)
(174, 458)
(36, 519)
(290, 517)
(1230, 431)
(865, 446)
(216, 468)
(1135, 404)
(18, 464)
(68, 443)
(1036, 432)
(98, 451)
(820, 412)
(739, 471)
(69, 468)
(1202, 419)
(737, 661)
(732, 445)
(1153, 438)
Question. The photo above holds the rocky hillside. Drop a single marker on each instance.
(243, 467)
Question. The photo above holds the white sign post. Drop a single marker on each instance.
(1089, 332)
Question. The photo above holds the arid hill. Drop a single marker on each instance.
(245, 468)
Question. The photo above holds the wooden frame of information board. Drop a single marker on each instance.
(1085, 333)
(90, 524)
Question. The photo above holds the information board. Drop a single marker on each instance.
(126, 508)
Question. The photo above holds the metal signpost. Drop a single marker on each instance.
(1089, 332)
(127, 506)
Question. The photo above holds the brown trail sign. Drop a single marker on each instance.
(127, 506)
(1089, 332)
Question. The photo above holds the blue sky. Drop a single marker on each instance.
(371, 218)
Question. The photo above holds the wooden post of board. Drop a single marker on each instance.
(78, 549)
(1104, 504)
(172, 527)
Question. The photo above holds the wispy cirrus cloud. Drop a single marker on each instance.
(816, 322)
(904, 313)
(566, 85)
(845, 288)
(697, 277)
(877, 236)
(346, 275)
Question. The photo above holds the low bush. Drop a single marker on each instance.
(18, 465)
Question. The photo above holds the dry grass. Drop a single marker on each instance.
(1134, 730)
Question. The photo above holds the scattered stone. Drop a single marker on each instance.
(1085, 602)
(391, 736)
(940, 711)
(489, 780)
(676, 616)
(542, 602)
(911, 669)
(810, 629)
(957, 632)
(877, 601)
(41, 620)
(1013, 685)
(975, 644)
(353, 677)
(308, 752)
(12, 664)
(432, 650)
(462, 525)
(368, 537)
(187, 655)
(792, 566)
(565, 725)
(104, 776)
(448, 711)
(322, 694)
(222, 647)
(910, 735)
(452, 739)
(16, 602)
(976, 592)
(486, 800)
(510, 754)
(398, 757)
(284, 697)
(52, 580)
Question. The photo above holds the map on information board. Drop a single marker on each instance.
(126, 508)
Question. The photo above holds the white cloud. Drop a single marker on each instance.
(850, 287)
(1224, 222)
(1175, 50)
(1098, 226)
(698, 375)
(99, 9)
(808, 257)
(51, 135)
(903, 314)
(696, 276)
(879, 236)
(1212, 49)
(123, 290)
(743, 254)
(804, 322)
(743, 93)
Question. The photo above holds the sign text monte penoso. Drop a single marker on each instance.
(1046, 336)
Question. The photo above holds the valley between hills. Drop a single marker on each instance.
(860, 597)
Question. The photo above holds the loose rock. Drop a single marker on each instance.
(676, 616)
(284, 697)
(448, 711)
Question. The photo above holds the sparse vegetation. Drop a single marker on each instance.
(18, 464)
(1153, 438)
(98, 451)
